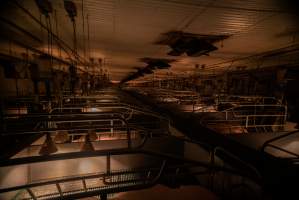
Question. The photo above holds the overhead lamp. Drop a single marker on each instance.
(48, 146)
(87, 145)
(62, 136)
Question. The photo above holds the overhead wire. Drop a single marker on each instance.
(83, 28)
(57, 33)
(198, 4)
(88, 37)
(294, 47)
(184, 27)
(211, 5)
(205, 8)
(66, 48)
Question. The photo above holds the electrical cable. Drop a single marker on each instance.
(60, 42)
(83, 28)
(57, 33)
(228, 7)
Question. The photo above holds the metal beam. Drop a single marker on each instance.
(125, 151)
(60, 42)
(19, 28)
(35, 50)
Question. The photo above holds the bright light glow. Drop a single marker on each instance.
(92, 109)
(17, 111)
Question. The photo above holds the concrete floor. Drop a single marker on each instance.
(160, 192)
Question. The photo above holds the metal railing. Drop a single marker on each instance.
(132, 179)
(94, 184)
(241, 99)
(262, 116)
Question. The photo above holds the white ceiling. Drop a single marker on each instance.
(122, 31)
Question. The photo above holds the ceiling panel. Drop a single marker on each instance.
(123, 31)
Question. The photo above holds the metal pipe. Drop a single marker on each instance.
(84, 184)
(31, 193)
(108, 164)
(54, 130)
(249, 166)
(277, 138)
(60, 42)
(284, 150)
(59, 189)
(37, 50)
(19, 28)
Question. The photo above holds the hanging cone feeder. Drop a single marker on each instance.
(87, 145)
(48, 146)
(92, 134)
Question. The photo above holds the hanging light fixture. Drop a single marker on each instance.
(48, 146)
(87, 145)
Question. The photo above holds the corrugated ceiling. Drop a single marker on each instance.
(122, 31)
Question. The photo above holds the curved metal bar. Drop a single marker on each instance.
(208, 165)
(268, 144)
(277, 138)
(38, 115)
(142, 183)
(118, 106)
(87, 176)
(252, 168)
(121, 151)
(122, 106)
(160, 172)
(134, 186)
(62, 156)
(119, 188)
(284, 150)
(54, 130)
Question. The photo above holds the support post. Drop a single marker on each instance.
(108, 164)
(31, 193)
(59, 189)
